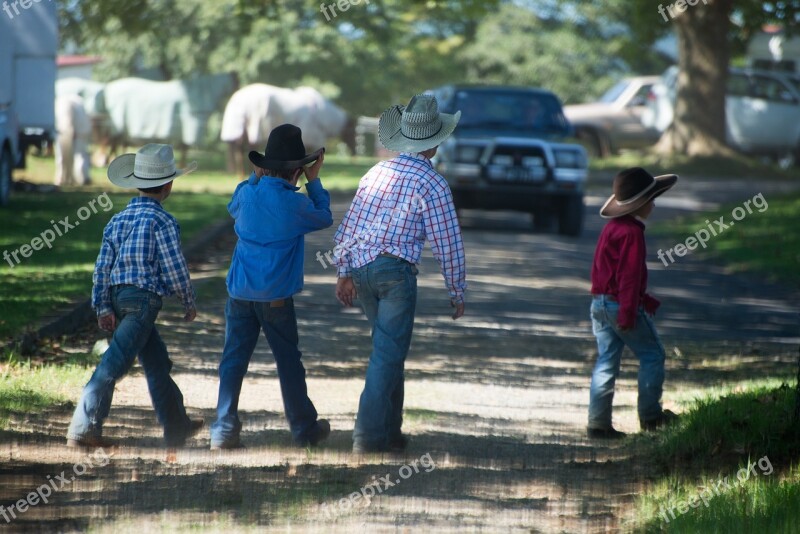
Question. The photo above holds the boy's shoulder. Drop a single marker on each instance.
(623, 226)
(141, 211)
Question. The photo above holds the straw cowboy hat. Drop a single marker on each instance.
(152, 165)
(633, 188)
(417, 126)
(285, 150)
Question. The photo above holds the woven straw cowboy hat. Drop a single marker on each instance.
(633, 188)
(416, 127)
(152, 165)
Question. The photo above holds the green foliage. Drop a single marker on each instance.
(764, 242)
(55, 277)
(722, 435)
(723, 428)
(373, 54)
(27, 390)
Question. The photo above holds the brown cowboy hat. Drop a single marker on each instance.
(633, 188)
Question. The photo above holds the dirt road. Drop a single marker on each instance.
(495, 402)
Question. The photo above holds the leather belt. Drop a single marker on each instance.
(387, 255)
(277, 303)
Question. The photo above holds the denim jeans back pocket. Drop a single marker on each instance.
(142, 305)
(133, 306)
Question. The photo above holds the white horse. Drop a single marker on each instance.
(74, 130)
(254, 110)
(175, 112)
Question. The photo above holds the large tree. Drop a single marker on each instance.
(707, 32)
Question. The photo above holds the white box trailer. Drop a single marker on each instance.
(28, 46)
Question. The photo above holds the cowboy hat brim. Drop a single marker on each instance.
(259, 160)
(391, 135)
(612, 209)
(121, 173)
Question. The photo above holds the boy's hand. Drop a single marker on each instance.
(191, 313)
(459, 309)
(107, 322)
(312, 172)
(346, 291)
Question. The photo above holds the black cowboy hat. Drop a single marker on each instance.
(285, 150)
(633, 188)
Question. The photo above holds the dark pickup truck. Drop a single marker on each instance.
(509, 152)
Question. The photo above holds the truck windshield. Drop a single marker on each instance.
(509, 110)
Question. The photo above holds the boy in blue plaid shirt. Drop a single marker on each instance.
(140, 262)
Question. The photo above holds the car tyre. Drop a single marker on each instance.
(594, 142)
(542, 220)
(570, 219)
(5, 176)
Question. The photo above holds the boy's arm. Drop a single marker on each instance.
(444, 234)
(173, 264)
(314, 215)
(101, 290)
(629, 278)
(345, 238)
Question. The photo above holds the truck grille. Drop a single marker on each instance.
(514, 164)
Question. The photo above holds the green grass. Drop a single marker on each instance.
(50, 278)
(704, 167)
(27, 389)
(765, 242)
(420, 415)
(339, 173)
(723, 431)
(761, 503)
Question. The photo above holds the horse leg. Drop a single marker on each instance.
(230, 158)
(184, 149)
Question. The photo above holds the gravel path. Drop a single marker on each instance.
(495, 402)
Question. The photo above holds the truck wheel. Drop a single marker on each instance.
(570, 218)
(594, 143)
(542, 220)
(5, 176)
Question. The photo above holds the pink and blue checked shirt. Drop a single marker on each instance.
(399, 204)
(141, 247)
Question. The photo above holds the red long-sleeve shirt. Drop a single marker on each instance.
(619, 268)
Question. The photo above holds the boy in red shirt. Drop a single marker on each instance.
(621, 309)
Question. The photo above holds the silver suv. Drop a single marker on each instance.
(509, 152)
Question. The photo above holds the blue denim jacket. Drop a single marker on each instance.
(271, 218)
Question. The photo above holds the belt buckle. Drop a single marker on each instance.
(277, 303)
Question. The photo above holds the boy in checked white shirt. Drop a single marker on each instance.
(140, 262)
(399, 205)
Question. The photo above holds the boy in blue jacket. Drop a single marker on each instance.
(271, 220)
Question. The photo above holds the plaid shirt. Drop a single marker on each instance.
(141, 247)
(399, 204)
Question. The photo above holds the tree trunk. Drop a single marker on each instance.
(698, 128)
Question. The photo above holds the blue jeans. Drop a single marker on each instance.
(644, 342)
(136, 311)
(387, 289)
(244, 321)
